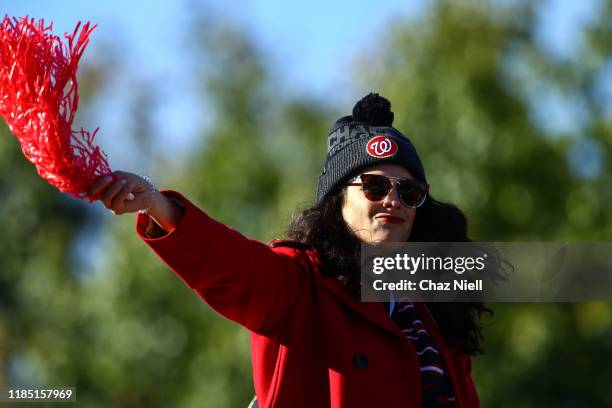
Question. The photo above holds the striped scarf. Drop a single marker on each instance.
(437, 389)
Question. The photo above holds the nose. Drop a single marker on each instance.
(392, 200)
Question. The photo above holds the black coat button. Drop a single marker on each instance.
(360, 361)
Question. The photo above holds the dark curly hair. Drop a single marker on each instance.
(323, 228)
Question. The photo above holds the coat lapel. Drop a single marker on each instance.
(372, 311)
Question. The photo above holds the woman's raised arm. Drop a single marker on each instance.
(242, 279)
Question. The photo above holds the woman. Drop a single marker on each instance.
(314, 344)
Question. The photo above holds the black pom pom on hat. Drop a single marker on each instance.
(373, 109)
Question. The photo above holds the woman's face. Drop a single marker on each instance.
(387, 220)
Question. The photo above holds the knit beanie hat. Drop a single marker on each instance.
(365, 139)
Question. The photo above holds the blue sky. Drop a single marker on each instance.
(314, 45)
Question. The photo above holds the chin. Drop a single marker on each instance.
(393, 237)
(386, 239)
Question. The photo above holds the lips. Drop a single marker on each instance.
(391, 219)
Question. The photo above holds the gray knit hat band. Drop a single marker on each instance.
(353, 146)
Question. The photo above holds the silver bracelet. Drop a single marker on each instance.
(154, 190)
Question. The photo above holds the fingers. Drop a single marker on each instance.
(118, 202)
(120, 192)
(112, 191)
(99, 186)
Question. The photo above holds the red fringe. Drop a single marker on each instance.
(39, 98)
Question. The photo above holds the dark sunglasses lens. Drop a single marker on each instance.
(375, 187)
(412, 193)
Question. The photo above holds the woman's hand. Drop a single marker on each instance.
(127, 193)
(123, 192)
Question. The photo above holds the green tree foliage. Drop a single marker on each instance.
(38, 293)
(464, 81)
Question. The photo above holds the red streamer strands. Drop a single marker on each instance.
(39, 98)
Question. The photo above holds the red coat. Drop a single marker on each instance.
(312, 343)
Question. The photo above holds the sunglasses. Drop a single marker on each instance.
(376, 187)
